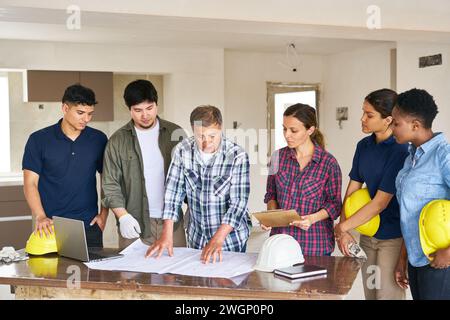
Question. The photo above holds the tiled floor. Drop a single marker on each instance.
(255, 242)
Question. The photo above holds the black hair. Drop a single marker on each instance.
(418, 103)
(306, 115)
(207, 114)
(140, 91)
(77, 94)
(383, 101)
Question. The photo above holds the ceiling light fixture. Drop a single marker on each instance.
(292, 58)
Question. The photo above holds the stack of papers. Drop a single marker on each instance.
(185, 261)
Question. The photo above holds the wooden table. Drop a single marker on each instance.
(54, 277)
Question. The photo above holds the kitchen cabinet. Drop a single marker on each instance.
(15, 216)
(49, 86)
(102, 84)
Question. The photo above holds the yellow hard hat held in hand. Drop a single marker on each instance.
(434, 226)
(38, 245)
(356, 201)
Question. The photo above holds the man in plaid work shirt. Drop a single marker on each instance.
(213, 173)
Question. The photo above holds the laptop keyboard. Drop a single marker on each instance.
(95, 257)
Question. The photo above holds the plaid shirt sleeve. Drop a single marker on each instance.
(239, 192)
(333, 203)
(175, 189)
(271, 191)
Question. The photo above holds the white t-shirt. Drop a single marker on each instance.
(153, 169)
(206, 156)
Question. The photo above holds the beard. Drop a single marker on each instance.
(147, 126)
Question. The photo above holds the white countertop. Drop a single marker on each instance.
(11, 179)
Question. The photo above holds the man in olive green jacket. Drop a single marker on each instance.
(136, 161)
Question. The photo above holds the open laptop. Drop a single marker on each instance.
(71, 242)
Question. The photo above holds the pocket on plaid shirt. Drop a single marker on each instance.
(282, 179)
(222, 185)
(191, 178)
(312, 188)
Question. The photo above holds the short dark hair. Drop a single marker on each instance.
(77, 94)
(418, 103)
(207, 115)
(140, 91)
(383, 101)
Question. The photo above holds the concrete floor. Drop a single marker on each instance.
(255, 242)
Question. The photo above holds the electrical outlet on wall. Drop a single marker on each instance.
(342, 113)
(236, 124)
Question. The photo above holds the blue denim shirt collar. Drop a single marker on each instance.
(427, 146)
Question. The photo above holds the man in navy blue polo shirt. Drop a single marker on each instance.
(60, 164)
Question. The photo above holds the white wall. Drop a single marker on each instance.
(348, 78)
(183, 91)
(246, 77)
(435, 79)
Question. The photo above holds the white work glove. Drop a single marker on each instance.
(356, 251)
(8, 254)
(129, 227)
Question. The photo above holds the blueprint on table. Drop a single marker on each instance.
(185, 261)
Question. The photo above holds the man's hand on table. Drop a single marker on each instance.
(213, 250)
(158, 247)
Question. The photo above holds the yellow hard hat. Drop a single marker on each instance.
(434, 226)
(38, 245)
(356, 201)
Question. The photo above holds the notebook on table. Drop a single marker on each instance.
(301, 271)
(301, 280)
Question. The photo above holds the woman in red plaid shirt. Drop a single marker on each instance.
(305, 177)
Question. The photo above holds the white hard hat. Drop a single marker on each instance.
(279, 251)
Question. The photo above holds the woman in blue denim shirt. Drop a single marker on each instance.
(424, 177)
